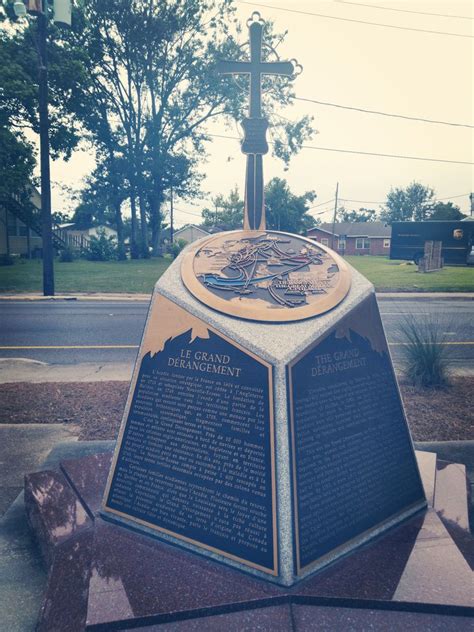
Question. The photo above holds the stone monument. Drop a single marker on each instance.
(264, 426)
(263, 432)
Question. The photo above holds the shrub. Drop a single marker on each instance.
(66, 255)
(176, 247)
(101, 248)
(427, 357)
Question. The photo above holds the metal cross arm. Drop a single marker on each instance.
(256, 68)
(255, 126)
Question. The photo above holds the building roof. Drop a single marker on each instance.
(355, 229)
(202, 230)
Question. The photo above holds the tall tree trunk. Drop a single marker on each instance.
(119, 223)
(134, 251)
(145, 251)
(156, 201)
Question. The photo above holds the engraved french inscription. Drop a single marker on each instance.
(353, 462)
(196, 455)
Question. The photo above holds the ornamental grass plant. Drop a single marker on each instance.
(426, 351)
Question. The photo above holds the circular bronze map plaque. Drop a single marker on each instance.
(265, 275)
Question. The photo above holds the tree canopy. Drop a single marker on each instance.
(227, 214)
(284, 210)
(410, 204)
(137, 80)
(362, 215)
(154, 86)
(445, 211)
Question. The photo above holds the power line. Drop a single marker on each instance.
(321, 204)
(374, 6)
(179, 210)
(366, 153)
(333, 17)
(452, 197)
(402, 116)
(449, 197)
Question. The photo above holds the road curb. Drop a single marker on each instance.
(76, 297)
(464, 296)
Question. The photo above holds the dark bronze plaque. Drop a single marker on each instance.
(265, 275)
(195, 458)
(353, 462)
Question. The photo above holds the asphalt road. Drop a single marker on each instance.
(71, 332)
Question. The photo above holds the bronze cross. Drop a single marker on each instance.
(255, 127)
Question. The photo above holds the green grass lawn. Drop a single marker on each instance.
(403, 276)
(85, 276)
(140, 276)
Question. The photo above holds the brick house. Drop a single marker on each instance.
(354, 238)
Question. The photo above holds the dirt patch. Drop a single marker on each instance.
(97, 407)
(440, 415)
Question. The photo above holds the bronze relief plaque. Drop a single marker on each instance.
(265, 275)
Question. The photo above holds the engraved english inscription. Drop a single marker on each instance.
(353, 461)
(195, 459)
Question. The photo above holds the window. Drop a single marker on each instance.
(23, 229)
(325, 241)
(342, 243)
(362, 243)
(386, 243)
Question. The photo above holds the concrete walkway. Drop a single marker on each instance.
(22, 574)
(23, 449)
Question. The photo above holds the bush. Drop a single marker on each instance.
(101, 248)
(427, 357)
(66, 255)
(6, 260)
(176, 247)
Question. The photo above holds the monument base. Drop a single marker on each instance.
(106, 577)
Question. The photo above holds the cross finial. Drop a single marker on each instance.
(255, 126)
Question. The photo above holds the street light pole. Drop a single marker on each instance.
(46, 222)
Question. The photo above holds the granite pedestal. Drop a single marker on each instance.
(274, 447)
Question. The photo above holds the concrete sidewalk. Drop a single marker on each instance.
(92, 296)
(13, 370)
(33, 371)
(23, 449)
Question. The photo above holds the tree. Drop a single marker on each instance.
(19, 82)
(152, 68)
(16, 164)
(228, 213)
(362, 215)
(284, 210)
(410, 204)
(17, 158)
(102, 198)
(444, 211)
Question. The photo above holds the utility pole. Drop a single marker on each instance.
(62, 17)
(47, 229)
(171, 217)
(334, 216)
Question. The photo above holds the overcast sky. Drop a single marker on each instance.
(391, 70)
